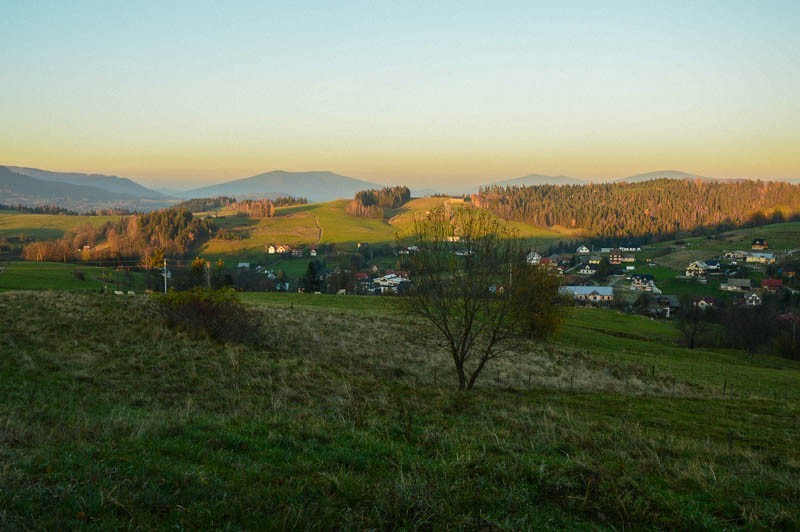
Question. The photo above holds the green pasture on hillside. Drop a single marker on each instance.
(45, 226)
(61, 276)
(342, 417)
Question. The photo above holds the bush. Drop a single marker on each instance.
(217, 314)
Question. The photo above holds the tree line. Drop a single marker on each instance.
(653, 210)
(371, 203)
(174, 231)
(257, 208)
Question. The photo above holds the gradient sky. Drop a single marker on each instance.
(421, 93)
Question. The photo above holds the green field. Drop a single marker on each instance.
(342, 417)
(60, 276)
(328, 223)
(45, 226)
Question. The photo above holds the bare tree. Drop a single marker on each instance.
(471, 284)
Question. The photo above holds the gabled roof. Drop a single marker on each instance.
(587, 290)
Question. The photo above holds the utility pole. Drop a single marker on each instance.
(165, 275)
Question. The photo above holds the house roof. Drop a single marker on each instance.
(739, 282)
(771, 283)
(587, 290)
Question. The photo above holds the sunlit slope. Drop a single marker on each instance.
(328, 223)
(45, 226)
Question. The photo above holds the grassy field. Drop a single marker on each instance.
(328, 223)
(45, 226)
(343, 417)
(60, 276)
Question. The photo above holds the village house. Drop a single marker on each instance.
(533, 258)
(661, 305)
(736, 285)
(760, 258)
(642, 281)
(630, 247)
(596, 295)
(595, 259)
(759, 244)
(615, 256)
(243, 265)
(313, 252)
(772, 286)
(271, 249)
(297, 252)
(705, 302)
(582, 250)
(697, 268)
(588, 269)
(735, 255)
(389, 284)
(752, 299)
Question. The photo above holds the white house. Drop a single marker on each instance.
(752, 299)
(589, 294)
(643, 281)
(391, 283)
(271, 250)
(697, 268)
(533, 258)
(588, 269)
(582, 250)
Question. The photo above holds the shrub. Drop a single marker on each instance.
(217, 314)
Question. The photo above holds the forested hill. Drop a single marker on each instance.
(649, 210)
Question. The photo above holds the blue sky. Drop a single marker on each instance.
(418, 93)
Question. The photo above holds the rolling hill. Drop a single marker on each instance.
(316, 186)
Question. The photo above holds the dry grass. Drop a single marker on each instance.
(111, 419)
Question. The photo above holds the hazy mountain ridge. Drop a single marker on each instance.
(16, 188)
(664, 174)
(316, 186)
(532, 180)
(110, 183)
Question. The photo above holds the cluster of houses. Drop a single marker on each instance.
(745, 293)
(285, 249)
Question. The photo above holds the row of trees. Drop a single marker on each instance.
(265, 208)
(371, 203)
(174, 231)
(651, 210)
(771, 326)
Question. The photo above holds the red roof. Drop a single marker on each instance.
(771, 283)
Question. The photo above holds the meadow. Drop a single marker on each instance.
(21, 275)
(342, 416)
(45, 226)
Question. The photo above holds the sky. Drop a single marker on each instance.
(418, 93)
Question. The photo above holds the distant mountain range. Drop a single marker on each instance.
(109, 183)
(79, 191)
(316, 186)
(532, 180)
(663, 174)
